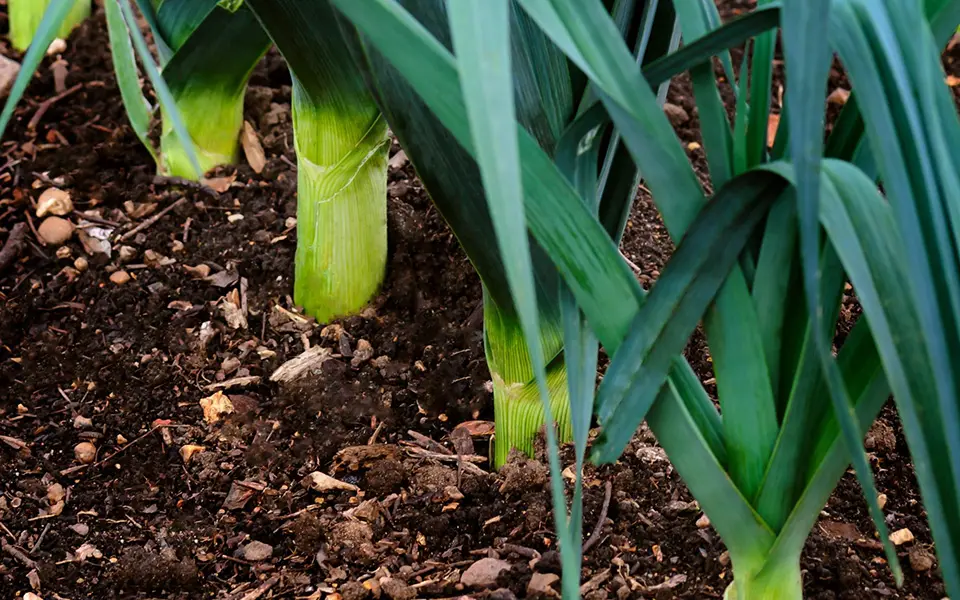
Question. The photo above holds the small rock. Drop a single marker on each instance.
(152, 258)
(187, 452)
(81, 264)
(230, 364)
(126, 253)
(82, 422)
(255, 551)
(120, 277)
(9, 69)
(881, 500)
(502, 594)
(540, 584)
(703, 522)
(362, 354)
(121, 440)
(64, 252)
(484, 573)
(396, 589)
(54, 201)
(55, 230)
(676, 114)
(57, 46)
(176, 246)
(354, 590)
(80, 528)
(31, 596)
(901, 536)
(95, 239)
(920, 559)
(85, 452)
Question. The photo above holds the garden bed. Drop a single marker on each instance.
(122, 362)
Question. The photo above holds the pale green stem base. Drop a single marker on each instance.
(25, 17)
(342, 229)
(518, 412)
(771, 583)
(214, 127)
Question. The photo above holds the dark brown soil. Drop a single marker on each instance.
(124, 367)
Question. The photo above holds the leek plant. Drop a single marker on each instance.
(342, 147)
(762, 262)
(547, 91)
(207, 50)
(25, 15)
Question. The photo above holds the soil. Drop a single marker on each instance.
(176, 506)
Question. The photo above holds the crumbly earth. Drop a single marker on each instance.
(175, 506)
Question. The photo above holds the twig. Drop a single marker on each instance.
(262, 589)
(46, 104)
(13, 245)
(40, 539)
(180, 181)
(607, 491)
(109, 458)
(33, 228)
(17, 554)
(96, 219)
(151, 220)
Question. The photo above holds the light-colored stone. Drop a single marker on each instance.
(85, 452)
(120, 277)
(255, 551)
(54, 201)
(484, 573)
(55, 230)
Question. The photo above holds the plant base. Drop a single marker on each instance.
(518, 412)
(770, 583)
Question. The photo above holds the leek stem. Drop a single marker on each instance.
(772, 582)
(25, 17)
(341, 207)
(213, 121)
(517, 407)
(518, 411)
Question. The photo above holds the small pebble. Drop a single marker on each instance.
(81, 264)
(54, 230)
(80, 529)
(255, 551)
(120, 277)
(85, 452)
(82, 422)
(126, 253)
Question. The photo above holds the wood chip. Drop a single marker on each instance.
(321, 482)
(252, 148)
(215, 406)
(219, 184)
(235, 383)
(302, 365)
